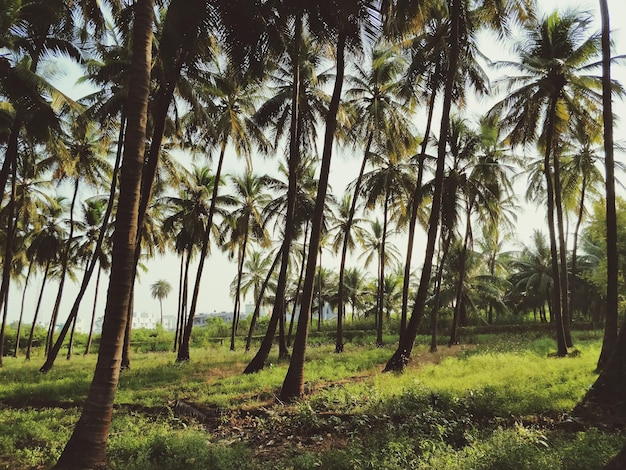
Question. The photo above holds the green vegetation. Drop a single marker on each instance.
(497, 403)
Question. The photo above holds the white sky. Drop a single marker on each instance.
(219, 271)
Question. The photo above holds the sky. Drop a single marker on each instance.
(219, 271)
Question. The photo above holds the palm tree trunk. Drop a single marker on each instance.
(125, 364)
(415, 204)
(565, 311)
(579, 220)
(237, 310)
(93, 312)
(381, 275)
(610, 328)
(437, 296)
(183, 350)
(293, 385)
(401, 356)
(8, 257)
(461, 280)
(179, 313)
(278, 312)
(556, 306)
(344, 247)
(87, 445)
(32, 327)
(19, 322)
(259, 299)
(64, 266)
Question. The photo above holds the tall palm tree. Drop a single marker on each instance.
(235, 98)
(346, 21)
(554, 84)
(375, 96)
(610, 335)
(298, 103)
(87, 446)
(160, 290)
(389, 184)
(486, 14)
(246, 224)
(82, 160)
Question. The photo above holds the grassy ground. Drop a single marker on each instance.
(496, 403)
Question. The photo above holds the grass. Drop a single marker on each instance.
(493, 403)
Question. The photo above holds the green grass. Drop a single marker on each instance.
(486, 405)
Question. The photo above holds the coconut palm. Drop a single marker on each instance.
(375, 96)
(610, 335)
(45, 250)
(389, 184)
(86, 447)
(553, 84)
(160, 290)
(297, 104)
(234, 97)
(486, 14)
(243, 225)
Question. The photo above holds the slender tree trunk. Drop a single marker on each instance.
(87, 445)
(381, 279)
(259, 299)
(93, 312)
(19, 322)
(556, 309)
(565, 310)
(179, 314)
(344, 247)
(293, 385)
(32, 327)
(278, 312)
(237, 310)
(437, 296)
(416, 199)
(64, 267)
(97, 252)
(125, 364)
(183, 350)
(461, 280)
(8, 258)
(610, 327)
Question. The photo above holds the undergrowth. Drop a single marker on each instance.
(493, 404)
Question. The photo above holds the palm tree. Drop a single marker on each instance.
(244, 224)
(553, 84)
(374, 95)
(610, 331)
(82, 159)
(298, 102)
(347, 230)
(235, 98)
(87, 446)
(487, 14)
(45, 249)
(388, 183)
(160, 290)
(531, 274)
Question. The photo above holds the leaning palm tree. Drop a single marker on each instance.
(87, 445)
(554, 85)
(160, 290)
